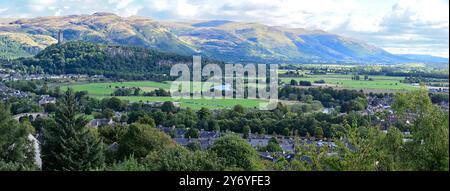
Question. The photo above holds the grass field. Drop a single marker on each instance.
(104, 90)
(196, 103)
(345, 81)
(108, 88)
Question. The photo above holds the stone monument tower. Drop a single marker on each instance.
(60, 37)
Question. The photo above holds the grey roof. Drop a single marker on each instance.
(182, 141)
(258, 142)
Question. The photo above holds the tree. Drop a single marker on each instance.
(262, 131)
(194, 146)
(50, 108)
(318, 132)
(430, 145)
(286, 132)
(246, 131)
(203, 113)
(272, 146)
(236, 153)
(70, 146)
(168, 107)
(115, 104)
(147, 120)
(140, 139)
(180, 159)
(137, 91)
(305, 83)
(191, 133)
(111, 134)
(356, 151)
(107, 113)
(429, 148)
(393, 147)
(129, 164)
(294, 83)
(239, 109)
(16, 150)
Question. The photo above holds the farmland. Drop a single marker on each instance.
(345, 81)
(108, 88)
(103, 90)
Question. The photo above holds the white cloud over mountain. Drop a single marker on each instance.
(399, 26)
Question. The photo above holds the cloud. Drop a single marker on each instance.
(3, 10)
(397, 25)
(413, 26)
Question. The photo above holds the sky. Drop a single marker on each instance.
(398, 26)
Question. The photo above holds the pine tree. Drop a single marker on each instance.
(70, 146)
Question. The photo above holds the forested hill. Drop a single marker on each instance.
(120, 62)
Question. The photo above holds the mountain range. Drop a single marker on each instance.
(217, 39)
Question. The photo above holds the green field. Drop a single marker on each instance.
(108, 88)
(196, 103)
(104, 90)
(345, 81)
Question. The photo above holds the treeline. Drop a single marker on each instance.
(300, 83)
(133, 91)
(403, 71)
(117, 62)
(344, 100)
(419, 74)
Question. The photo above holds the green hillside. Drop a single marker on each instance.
(112, 61)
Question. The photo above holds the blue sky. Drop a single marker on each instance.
(399, 26)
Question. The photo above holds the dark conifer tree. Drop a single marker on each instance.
(70, 146)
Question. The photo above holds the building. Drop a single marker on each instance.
(46, 99)
(258, 142)
(158, 104)
(100, 122)
(60, 37)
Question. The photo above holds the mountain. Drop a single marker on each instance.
(218, 39)
(424, 58)
(13, 45)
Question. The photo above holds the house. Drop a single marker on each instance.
(289, 157)
(100, 122)
(205, 143)
(160, 104)
(181, 141)
(267, 156)
(287, 146)
(208, 134)
(258, 142)
(327, 110)
(46, 99)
